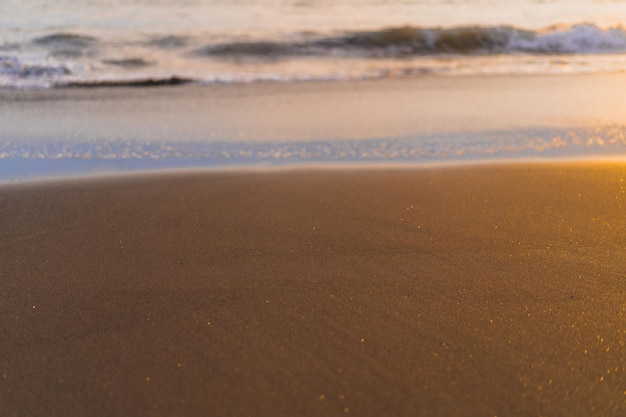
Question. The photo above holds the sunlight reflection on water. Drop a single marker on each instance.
(46, 159)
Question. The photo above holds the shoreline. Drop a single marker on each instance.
(400, 121)
(492, 290)
(96, 176)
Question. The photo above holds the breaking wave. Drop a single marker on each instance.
(66, 45)
(63, 59)
(11, 66)
(411, 41)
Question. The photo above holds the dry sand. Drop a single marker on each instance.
(466, 291)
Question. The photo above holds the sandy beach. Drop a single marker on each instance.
(312, 208)
(484, 290)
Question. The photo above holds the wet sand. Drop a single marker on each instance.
(462, 291)
(351, 110)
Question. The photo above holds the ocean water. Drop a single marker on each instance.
(51, 43)
(63, 45)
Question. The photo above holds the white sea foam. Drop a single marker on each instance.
(83, 58)
(582, 38)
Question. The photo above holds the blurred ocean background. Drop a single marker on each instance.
(51, 43)
(53, 51)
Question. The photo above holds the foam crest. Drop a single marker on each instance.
(15, 73)
(583, 38)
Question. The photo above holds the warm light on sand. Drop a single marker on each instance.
(459, 308)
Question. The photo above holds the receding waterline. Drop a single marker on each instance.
(23, 161)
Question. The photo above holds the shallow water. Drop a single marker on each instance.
(427, 120)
